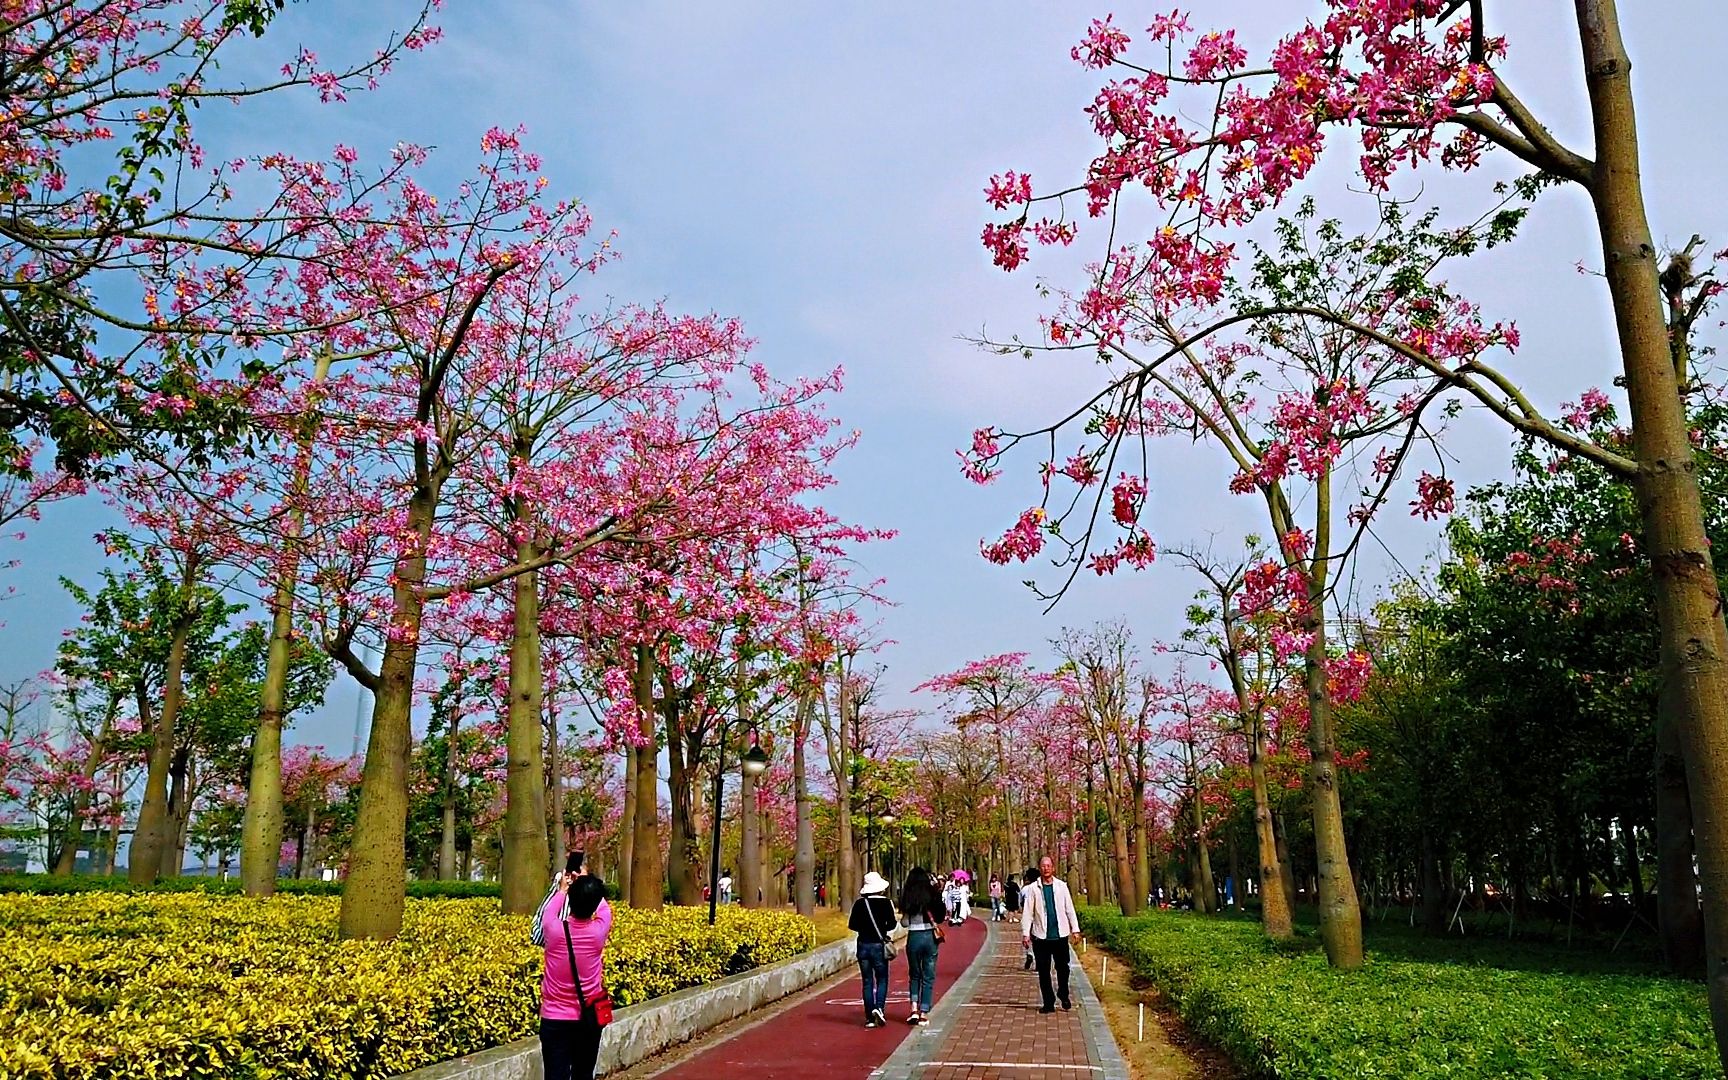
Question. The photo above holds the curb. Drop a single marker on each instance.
(642, 1030)
(1100, 1043)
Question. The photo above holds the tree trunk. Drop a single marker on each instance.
(804, 853)
(306, 858)
(373, 897)
(627, 825)
(1234, 884)
(1340, 912)
(647, 876)
(557, 841)
(750, 855)
(1205, 889)
(526, 851)
(1276, 902)
(1679, 919)
(261, 828)
(849, 868)
(447, 831)
(183, 791)
(682, 846)
(1694, 641)
(1433, 897)
(1142, 856)
(152, 839)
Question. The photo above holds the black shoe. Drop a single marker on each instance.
(1066, 1005)
(1027, 966)
(1046, 1008)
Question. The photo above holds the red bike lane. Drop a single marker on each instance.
(825, 1036)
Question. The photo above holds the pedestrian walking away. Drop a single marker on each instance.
(1027, 880)
(1048, 922)
(872, 917)
(572, 925)
(922, 911)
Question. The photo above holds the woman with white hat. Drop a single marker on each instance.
(873, 917)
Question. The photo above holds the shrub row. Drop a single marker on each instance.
(1281, 1012)
(63, 884)
(131, 985)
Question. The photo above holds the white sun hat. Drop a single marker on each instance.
(873, 883)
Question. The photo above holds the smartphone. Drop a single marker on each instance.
(573, 862)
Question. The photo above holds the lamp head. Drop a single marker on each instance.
(888, 817)
(755, 761)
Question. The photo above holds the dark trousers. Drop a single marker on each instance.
(1045, 952)
(568, 1048)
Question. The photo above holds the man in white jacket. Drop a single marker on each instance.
(1047, 924)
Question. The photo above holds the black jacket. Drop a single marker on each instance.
(863, 909)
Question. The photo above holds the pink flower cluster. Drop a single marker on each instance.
(1021, 542)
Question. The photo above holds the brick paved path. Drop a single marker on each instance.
(989, 1027)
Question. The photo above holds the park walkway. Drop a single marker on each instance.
(989, 1027)
(824, 1034)
(985, 1026)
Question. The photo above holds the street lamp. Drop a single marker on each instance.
(888, 820)
(755, 763)
(872, 815)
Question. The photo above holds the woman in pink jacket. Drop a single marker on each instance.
(572, 924)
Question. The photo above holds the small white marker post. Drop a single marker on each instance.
(1104, 975)
(1142, 1022)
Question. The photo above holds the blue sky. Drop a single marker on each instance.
(817, 170)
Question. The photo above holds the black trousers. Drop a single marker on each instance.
(568, 1048)
(1046, 952)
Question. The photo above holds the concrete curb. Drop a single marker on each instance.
(1100, 1043)
(643, 1030)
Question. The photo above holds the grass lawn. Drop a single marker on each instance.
(1470, 1007)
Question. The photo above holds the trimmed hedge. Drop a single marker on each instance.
(1281, 1012)
(62, 884)
(115, 986)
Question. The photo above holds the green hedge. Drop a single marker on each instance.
(61, 884)
(128, 986)
(1281, 1012)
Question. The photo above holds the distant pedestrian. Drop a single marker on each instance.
(726, 886)
(872, 919)
(921, 910)
(995, 897)
(1048, 923)
(1026, 881)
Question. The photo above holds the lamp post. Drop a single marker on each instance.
(755, 762)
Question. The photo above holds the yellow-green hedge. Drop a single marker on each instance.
(190, 985)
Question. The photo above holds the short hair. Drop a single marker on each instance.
(1031, 874)
(586, 892)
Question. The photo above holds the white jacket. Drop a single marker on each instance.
(1033, 921)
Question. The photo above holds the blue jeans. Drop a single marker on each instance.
(921, 949)
(873, 966)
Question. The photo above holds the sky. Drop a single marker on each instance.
(817, 171)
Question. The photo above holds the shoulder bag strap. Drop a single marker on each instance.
(575, 976)
(870, 911)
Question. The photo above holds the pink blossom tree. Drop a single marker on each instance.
(1417, 81)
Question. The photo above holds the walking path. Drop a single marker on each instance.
(985, 1026)
(824, 1035)
(989, 1027)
